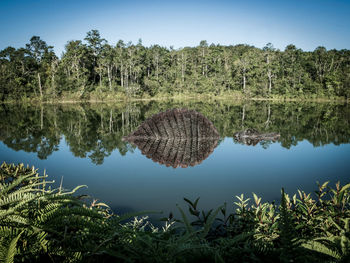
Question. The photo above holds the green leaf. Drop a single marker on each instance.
(188, 226)
(193, 212)
(344, 188)
(195, 203)
(321, 248)
(9, 254)
(209, 222)
(188, 201)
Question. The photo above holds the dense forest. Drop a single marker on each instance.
(93, 69)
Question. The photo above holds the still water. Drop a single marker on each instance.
(82, 144)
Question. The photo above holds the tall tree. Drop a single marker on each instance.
(271, 65)
(39, 50)
(246, 65)
(95, 45)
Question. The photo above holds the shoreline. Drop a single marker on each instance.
(181, 97)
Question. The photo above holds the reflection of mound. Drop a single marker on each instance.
(253, 137)
(176, 152)
(177, 137)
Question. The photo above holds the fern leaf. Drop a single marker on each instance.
(321, 248)
(209, 223)
(188, 226)
(7, 255)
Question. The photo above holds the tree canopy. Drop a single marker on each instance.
(94, 67)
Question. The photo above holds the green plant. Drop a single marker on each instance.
(40, 224)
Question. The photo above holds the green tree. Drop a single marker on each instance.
(42, 55)
(248, 65)
(77, 66)
(271, 64)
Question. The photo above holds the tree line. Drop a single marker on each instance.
(93, 68)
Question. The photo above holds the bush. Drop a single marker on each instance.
(38, 223)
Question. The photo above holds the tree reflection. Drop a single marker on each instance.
(95, 130)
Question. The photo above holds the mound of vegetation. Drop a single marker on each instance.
(41, 224)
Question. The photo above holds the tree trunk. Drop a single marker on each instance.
(243, 115)
(109, 78)
(268, 116)
(53, 85)
(182, 68)
(123, 123)
(244, 81)
(203, 65)
(126, 84)
(110, 121)
(157, 67)
(100, 75)
(122, 75)
(130, 71)
(41, 117)
(40, 88)
(270, 81)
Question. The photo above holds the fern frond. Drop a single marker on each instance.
(321, 248)
(188, 226)
(209, 223)
(7, 253)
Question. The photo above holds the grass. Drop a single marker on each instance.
(41, 224)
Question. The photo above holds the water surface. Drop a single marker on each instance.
(82, 144)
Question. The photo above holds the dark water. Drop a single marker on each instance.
(82, 143)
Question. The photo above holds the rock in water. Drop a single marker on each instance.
(177, 137)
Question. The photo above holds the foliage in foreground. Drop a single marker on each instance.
(40, 224)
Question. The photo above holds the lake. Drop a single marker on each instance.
(81, 144)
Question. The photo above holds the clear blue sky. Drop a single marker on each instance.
(307, 24)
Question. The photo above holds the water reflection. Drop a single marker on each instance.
(94, 131)
(177, 137)
(253, 137)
